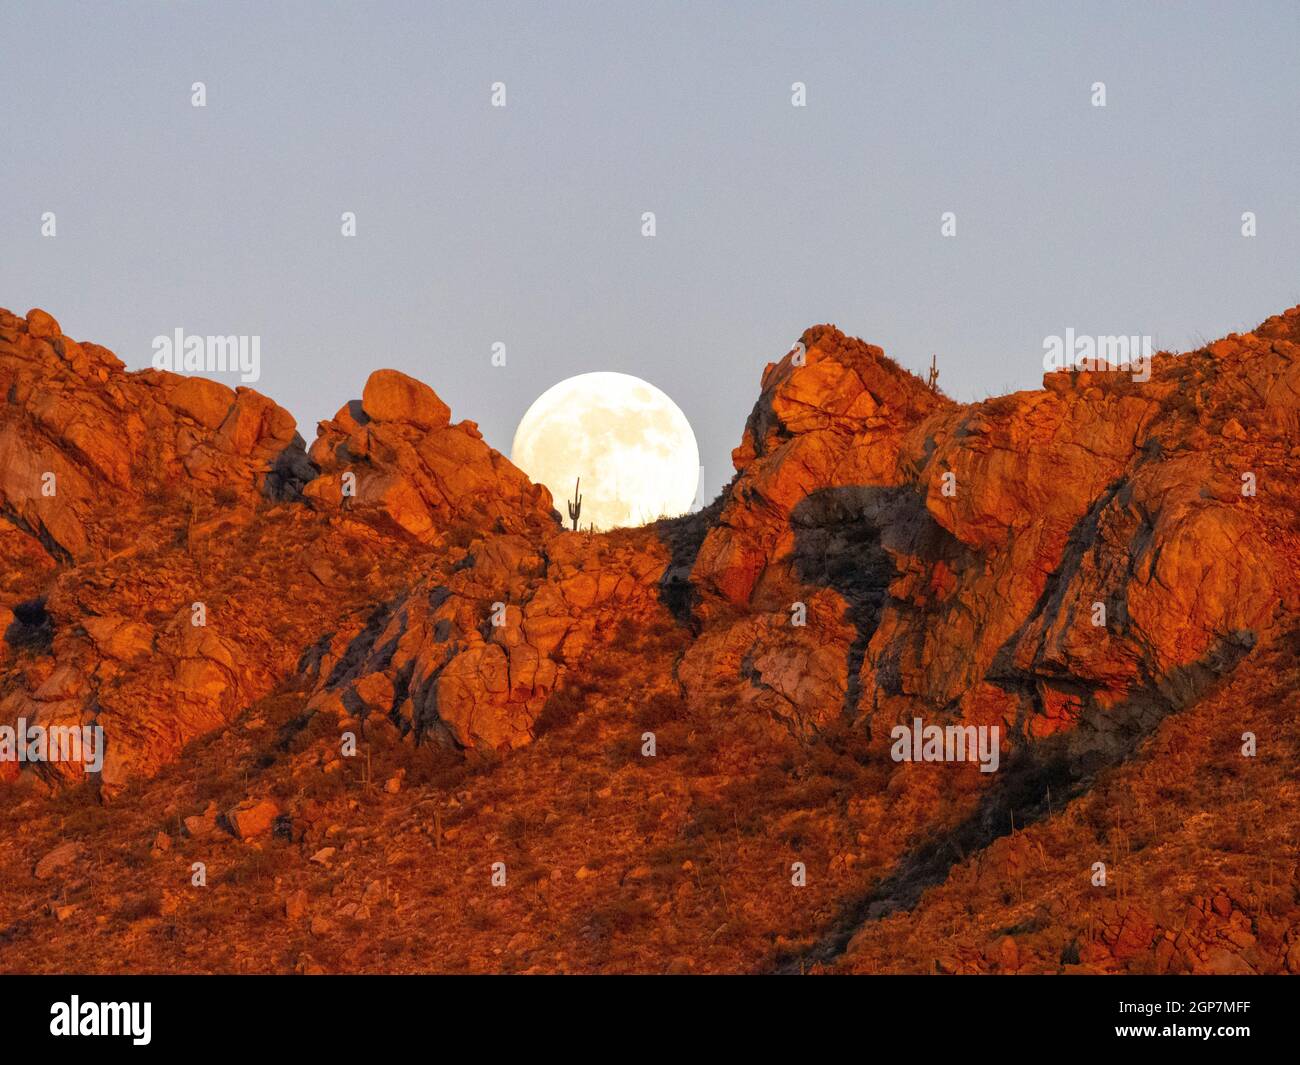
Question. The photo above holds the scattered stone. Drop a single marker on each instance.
(253, 817)
(204, 824)
(58, 860)
(295, 905)
(1232, 430)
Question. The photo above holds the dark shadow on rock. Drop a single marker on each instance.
(362, 655)
(763, 422)
(32, 628)
(365, 655)
(683, 537)
(53, 548)
(837, 546)
(289, 473)
(1037, 780)
(847, 539)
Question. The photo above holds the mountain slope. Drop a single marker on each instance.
(883, 554)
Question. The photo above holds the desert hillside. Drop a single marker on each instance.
(368, 705)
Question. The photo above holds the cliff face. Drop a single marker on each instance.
(172, 550)
(1070, 565)
(1032, 561)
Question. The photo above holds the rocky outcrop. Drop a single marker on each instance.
(473, 654)
(1030, 561)
(1071, 564)
(164, 567)
(1019, 561)
(831, 415)
(82, 440)
(396, 454)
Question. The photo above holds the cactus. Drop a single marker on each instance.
(575, 504)
(933, 382)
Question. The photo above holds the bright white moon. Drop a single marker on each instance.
(631, 445)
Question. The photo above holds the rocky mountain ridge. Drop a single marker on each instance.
(883, 553)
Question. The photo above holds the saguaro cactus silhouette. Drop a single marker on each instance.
(933, 381)
(575, 504)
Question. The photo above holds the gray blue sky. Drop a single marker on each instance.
(523, 224)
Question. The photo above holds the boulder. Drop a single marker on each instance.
(58, 860)
(41, 324)
(392, 396)
(204, 400)
(253, 817)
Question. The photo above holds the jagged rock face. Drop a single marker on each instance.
(881, 552)
(1100, 490)
(80, 436)
(473, 653)
(98, 469)
(800, 529)
(834, 422)
(951, 559)
(397, 454)
(173, 574)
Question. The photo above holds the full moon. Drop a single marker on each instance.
(631, 445)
